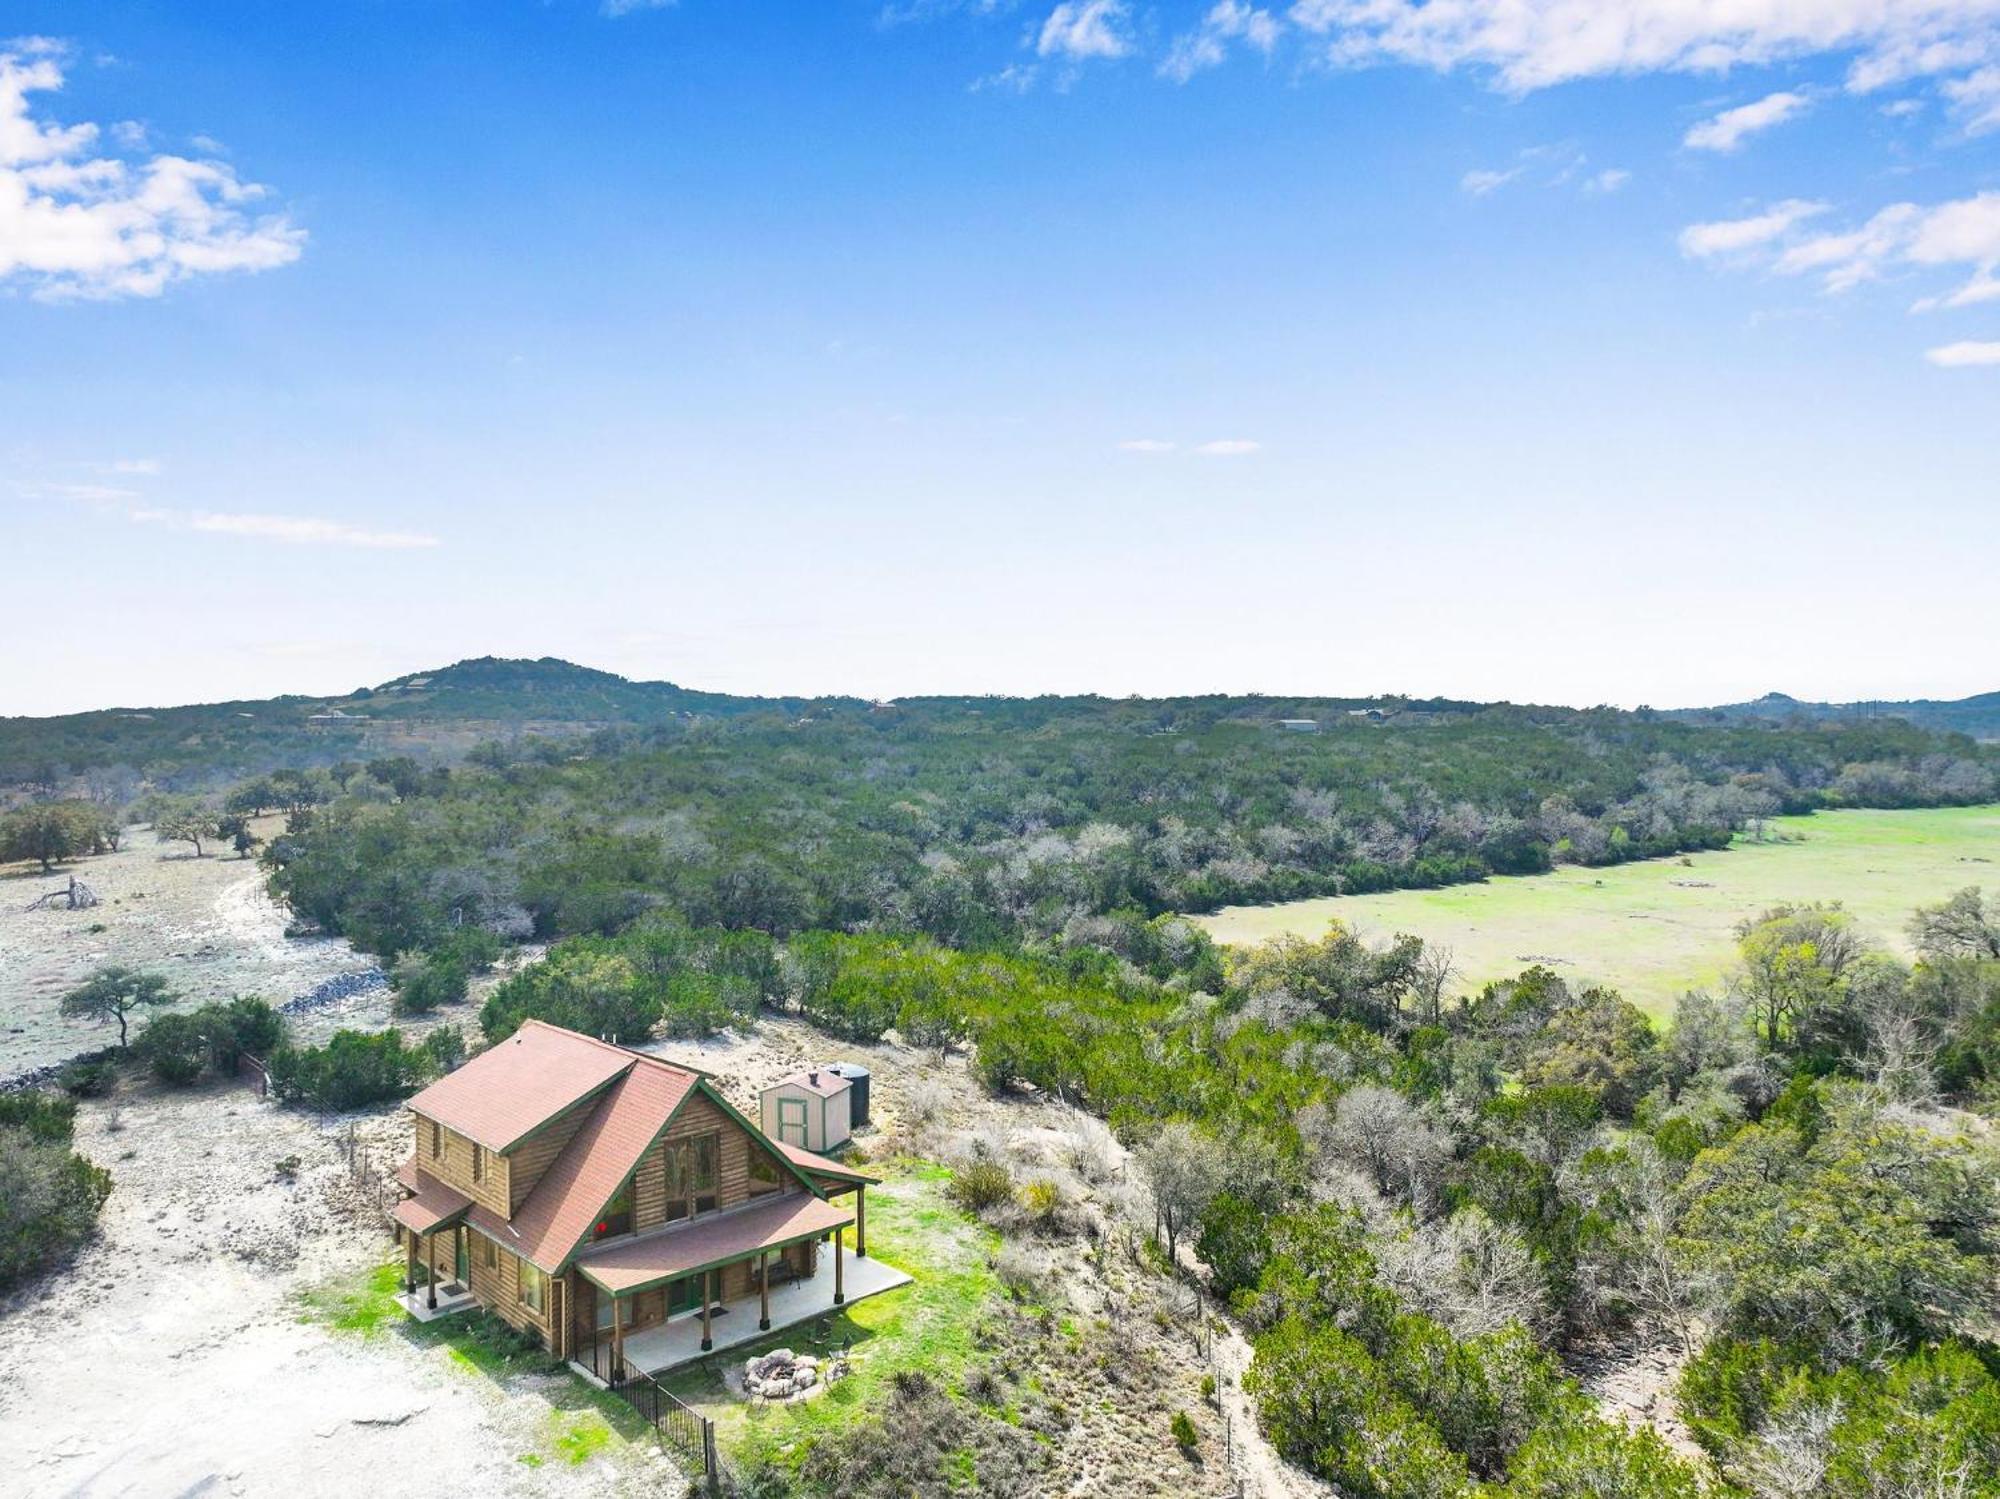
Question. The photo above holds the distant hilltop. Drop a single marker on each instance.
(1978, 716)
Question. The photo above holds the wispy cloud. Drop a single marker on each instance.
(1207, 46)
(1727, 237)
(1607, 181)
(1486, 180)
(617, 8)
(1965, 355)
(76, 222)
(1078, 30)
(1728, 130)
(1229, 447)
(299, 530)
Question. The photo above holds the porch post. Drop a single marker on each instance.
(617, 1341)
(861, 1223)
(764, 1291)
(410, 1268)
(839, 1293)
(707, 1312)
(431, 1291)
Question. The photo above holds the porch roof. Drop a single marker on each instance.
(432, 1206)
(819, 1165)
(634, 1265)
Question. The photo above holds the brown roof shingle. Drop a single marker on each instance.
(508, 1090)
(634, 1264)
(598, 1158)
(819, 1165)
(432, 1204)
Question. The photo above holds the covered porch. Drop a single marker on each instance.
(437, 1274)
(765, 1254)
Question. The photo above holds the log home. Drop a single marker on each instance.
(615, 1205)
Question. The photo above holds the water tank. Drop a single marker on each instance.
(857, 1075)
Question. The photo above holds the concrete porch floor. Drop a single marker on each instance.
(453, 1298)
(679, 1342)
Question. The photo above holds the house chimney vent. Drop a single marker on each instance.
(812, 1078)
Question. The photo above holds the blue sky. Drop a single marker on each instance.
(1345, 347)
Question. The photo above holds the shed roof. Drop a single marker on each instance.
(821, 1080)
(507, 1091)
(638, 1264)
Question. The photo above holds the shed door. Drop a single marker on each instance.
(792, 1121)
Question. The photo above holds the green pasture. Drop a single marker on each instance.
(1656, 928)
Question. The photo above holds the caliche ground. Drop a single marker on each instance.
(230, 1333)
(1653, 930)
(205, 924)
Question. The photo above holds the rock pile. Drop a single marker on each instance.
(340, 986)
(780, 1374)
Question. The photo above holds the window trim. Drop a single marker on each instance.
(531, 1276)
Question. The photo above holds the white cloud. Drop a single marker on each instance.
(617, 8)
(1734, 236)
(297, 529)
(1532, 44)
(1015, 78)
(1208, 45)
(1976, 99)
(1145, 445)
(1965, 355)
(132, 466)
(1229, 447)
(74, 223)
(1485, 180)
(1726, 131)
(1961, 235)
(1082, 29)
(1608, 181)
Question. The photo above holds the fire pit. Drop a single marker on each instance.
(783, 1375)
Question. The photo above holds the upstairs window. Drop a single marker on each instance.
(766, 1175)
(437, 1140)
(617, 1216)
(479, 1163)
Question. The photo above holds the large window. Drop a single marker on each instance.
(617, 1216)
(534, 1287)
(691, 1176)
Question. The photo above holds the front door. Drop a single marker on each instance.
(463, 1266)
(684, 1295)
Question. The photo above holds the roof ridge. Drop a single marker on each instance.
(624, 1051)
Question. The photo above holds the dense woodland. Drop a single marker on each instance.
(1422, 1203)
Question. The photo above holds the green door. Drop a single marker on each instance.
(684, 1295)
(792, 1121)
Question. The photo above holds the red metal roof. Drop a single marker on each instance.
(815, 1080)
(433, 1205)
(667, 1254)
(508, 1090)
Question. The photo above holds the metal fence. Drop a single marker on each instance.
(679, 1424)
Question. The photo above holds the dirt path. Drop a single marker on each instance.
(175, 1357)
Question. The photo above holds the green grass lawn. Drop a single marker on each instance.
(1655, 929)
(926, 1325)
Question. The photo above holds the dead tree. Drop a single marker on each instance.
(77, 897)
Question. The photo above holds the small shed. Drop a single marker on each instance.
(1299, 725)
(857, 1075)
(812, 1109)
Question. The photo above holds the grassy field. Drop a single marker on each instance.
(1657, 928)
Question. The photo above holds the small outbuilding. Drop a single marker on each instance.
(812, 1109)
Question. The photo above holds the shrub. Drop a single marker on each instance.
(423, 981)
(445, 1046)
(1183, 1430)
(1208, 1388)
(174, 1047)
(1042, 1201)
(981, 1186)
(49, 1196)
(352, 1070)
(88, 1078)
